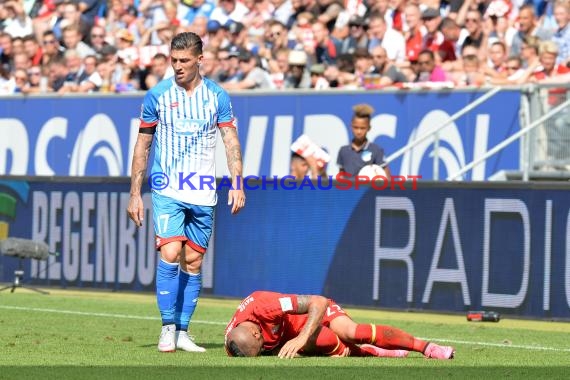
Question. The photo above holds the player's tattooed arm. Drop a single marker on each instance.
(233, 151)
(140, 160)
(314, 307)
(138, 171)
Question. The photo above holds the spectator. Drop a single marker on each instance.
(433, 37)
(17, 22)
(476, 36)
(394, 15)
(357, 36)
(389, 39)
(282, 10)
(34, 81)
(71, 16)
(90, 9)
(450, 50)
(328, 12)
(318, 81)
(303, 30)
(529, 51)
(361, 152)
(200, 26)
(97, 38)
(72, 39)
(389, 73)
(428, 71)
(254, 77)
(229, 10)
(471, 75)
(210, 66)
(232, 72)
(32, 49)
(303, 167)
(216, 35)
(20, 77)
(327, 48)
(6, 52)
(89, 80)
(158, 70)
(562, 34)
(22, 61)
(236, 34)
(196, 8)
(279, 67)
(528, 26)
(414, 34)
(57, 72)
(515, 73)
(51, 48)
(298, 75)
(363, 64)
(497, 60)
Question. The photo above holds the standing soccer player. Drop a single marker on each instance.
(182, 115)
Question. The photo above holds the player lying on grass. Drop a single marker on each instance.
(289, 324)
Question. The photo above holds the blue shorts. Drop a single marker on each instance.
(178, 221)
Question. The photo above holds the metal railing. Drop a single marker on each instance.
(545, 133)
(509, 140)
(435, 132)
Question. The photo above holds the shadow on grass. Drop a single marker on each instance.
(297, 372)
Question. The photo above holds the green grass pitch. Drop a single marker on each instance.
(103, 335)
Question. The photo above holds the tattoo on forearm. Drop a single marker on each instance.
(140, 159)
(233, 150)
(303, 304)
(314, 314)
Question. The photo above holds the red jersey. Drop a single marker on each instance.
(277, 316)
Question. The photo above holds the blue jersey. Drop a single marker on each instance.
(185, 136)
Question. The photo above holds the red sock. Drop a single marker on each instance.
(388, 337)
(328, 343)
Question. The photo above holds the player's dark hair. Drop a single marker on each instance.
(234, 350)
(187, 41)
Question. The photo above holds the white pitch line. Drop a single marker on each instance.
(126, 316)
(90, 314)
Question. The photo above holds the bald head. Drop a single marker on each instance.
(245, 340)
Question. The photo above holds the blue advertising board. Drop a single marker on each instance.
(436, 248)
(95, 135)
(441, 247)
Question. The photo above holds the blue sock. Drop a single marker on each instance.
(188, 292)
(167, 290)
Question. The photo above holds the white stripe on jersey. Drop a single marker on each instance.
(185, 138)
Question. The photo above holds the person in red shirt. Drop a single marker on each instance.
(289, 324)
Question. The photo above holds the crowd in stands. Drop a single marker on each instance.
(83, 46)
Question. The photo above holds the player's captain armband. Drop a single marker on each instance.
(228, 124)
(286, 304)
(147, 128)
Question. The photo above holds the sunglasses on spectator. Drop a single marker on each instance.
(97, 36)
